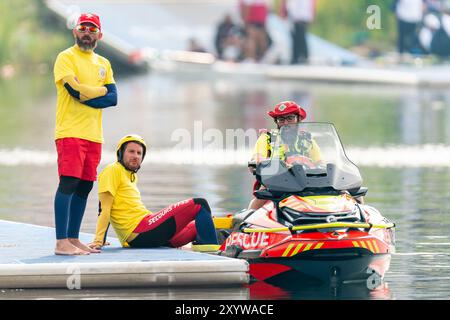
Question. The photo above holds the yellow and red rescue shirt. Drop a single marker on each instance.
(74, 119)
(127, 209)
(263, 148)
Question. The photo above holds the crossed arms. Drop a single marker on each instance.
(95, 97)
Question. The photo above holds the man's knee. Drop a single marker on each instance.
(203, 203)
(84, 188)
(255, 203)
(68, 185)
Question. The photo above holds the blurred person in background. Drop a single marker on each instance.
(280, 51)
(431, 24)
(229, 40)
(195, 46)
(233, 46)
(440, 45)
(409, 14)
(301, 13)
(223, 31)
(254, 15)
(433, 6)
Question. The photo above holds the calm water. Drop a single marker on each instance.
(399, 137)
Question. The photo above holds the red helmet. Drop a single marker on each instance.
(287, 107)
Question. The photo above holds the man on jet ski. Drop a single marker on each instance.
(285, 114)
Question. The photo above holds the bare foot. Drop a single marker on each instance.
(64, 247)
(77, 243)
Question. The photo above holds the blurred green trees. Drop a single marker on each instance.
(29, 36)
(344, 22)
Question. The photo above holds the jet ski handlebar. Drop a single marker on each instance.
(389, 225)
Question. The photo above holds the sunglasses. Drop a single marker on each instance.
(286, 118)
(84, 29)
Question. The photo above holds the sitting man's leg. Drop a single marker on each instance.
(256, 203)
(185, 236)
(170, 225)
(204, 224)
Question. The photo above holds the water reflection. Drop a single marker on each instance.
(180, 293)
(293, 289)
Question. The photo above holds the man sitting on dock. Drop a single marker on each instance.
(136, 226)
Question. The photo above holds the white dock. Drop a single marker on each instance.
(27, 261)
(427, 76)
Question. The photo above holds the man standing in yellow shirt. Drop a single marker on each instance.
(85, 85)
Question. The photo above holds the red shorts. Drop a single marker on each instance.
(78, 158)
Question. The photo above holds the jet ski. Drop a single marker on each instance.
(314, 222)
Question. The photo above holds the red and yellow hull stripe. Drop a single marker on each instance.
(370, 245)
(293, 248)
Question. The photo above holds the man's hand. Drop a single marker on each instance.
(103, 91)
(98, 246)
(81, 91)
(301, 160)
(94, 245)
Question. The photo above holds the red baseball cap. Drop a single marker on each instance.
(287, 107)
(91, 18)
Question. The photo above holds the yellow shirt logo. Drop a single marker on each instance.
(102, 73)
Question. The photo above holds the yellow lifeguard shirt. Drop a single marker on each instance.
(74, 119)
(263, 149)
(127, 209)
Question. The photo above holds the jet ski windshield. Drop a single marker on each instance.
(308, 155)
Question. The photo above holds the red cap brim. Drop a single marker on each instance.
(89, 21)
